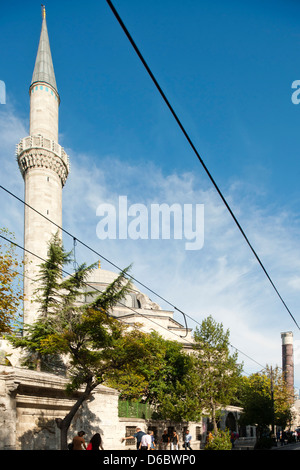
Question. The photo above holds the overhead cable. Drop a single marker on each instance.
(196, 152)
(130, 308)
(75, 240)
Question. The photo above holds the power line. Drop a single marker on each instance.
(93, 287)
(110, 262)
(196, 152)
(130, 308)
(75, 239)
(231, 345)
(120, 319)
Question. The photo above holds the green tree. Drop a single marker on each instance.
(11, 294)
(97, 345)
(217, 373)
(173, 385)
(51, 295)
(219, 441)
(282, 397)
(266, 400)
(162, 378)
(256, 400)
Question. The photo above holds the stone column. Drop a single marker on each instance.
(288, 359)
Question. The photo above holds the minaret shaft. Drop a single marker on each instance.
(44, 104)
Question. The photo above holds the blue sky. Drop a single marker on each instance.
(227, 69)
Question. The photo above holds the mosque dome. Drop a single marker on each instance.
(99, 279)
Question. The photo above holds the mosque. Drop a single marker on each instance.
(31, 401)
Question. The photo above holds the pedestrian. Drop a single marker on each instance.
(187, 440)
(232, 439)
(153, 445)
(174, 441)
(137, 435)
(284, 437)
(145, 442)
(95, 443)
(78, 441)
(277, 437)
(164, 440)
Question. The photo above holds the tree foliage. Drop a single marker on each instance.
(266, 400)
(219, 441)
(11, 294)
(163, 378)
(94, 343)
(217, 373)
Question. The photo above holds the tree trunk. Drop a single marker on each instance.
(39, 362)
(213, 415)
(64, 424)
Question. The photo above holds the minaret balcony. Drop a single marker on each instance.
(38, 151)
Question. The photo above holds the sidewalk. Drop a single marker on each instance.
(290, 446)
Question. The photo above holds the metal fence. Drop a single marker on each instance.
(134, 409)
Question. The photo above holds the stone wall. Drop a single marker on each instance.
(30, 402)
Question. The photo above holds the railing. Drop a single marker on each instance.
(134, 409)
(39, 141)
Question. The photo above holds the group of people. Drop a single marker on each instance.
(79, 442)
(285, 437)
(146, 441)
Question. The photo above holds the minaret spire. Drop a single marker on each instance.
(43, 69)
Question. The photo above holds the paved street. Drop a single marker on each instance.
(295, 446)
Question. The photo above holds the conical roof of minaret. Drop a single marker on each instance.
(43, 69)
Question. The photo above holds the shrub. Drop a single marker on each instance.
(265, 442)
(219, 441)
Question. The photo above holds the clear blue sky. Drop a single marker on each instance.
(227, 68)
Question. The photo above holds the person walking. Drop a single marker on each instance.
(187, 440)
(164, 440)
(153, 445)
(174, 441)
(137, 435)
(78, 441)
(145, 442)
(95, 443)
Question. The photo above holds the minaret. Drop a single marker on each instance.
(44, 166)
